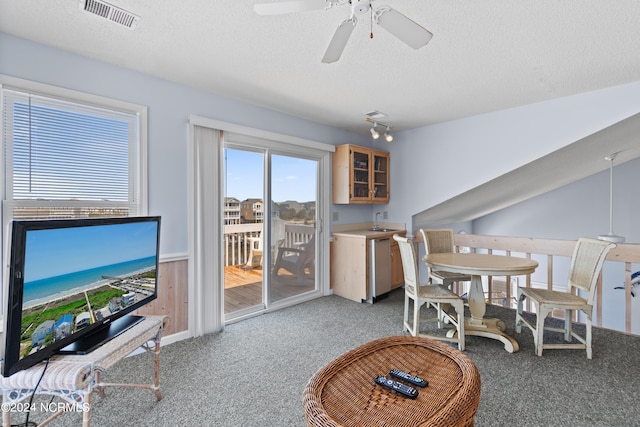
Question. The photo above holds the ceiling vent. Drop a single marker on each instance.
(110, 12)
(374, 115)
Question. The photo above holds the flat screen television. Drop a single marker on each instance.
(73, 284)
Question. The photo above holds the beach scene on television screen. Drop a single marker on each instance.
(77, 276)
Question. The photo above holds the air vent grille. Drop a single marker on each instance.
(375, 115)
(110, 12)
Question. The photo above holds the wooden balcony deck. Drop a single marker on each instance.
(243, 288)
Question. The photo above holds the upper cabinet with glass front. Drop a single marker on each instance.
(360, 175)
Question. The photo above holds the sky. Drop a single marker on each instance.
(292, 178)
(53, 252)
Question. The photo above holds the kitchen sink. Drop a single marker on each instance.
(384, 230)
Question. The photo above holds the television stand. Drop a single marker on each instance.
(74, 377)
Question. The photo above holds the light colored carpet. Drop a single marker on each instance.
(253, 373)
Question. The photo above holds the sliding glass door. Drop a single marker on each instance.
(270, 230)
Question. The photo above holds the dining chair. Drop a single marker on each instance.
(436, 241)
(584, 272)
(429, 294)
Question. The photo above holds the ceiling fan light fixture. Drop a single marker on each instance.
(360, 7)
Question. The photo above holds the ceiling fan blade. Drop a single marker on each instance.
(339, 41)
(402, 27)
(282, 7)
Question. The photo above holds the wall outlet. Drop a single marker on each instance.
(385, 215)
(335, 216)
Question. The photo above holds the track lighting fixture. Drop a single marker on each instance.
(374, 132)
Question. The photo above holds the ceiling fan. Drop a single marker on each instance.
(390, 19)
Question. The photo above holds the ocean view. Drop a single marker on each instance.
(39, 291)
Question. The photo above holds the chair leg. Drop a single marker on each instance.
(416, 317)
(567, 325)
(405, 320)
(460, 310)
(539, 334)
(588, 336)
(440, 315)
(519, 312)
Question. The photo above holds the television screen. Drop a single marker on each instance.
(72, 284)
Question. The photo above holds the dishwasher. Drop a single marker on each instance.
(379, 268)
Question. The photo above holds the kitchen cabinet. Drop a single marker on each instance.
(350, 263)
(397, 273)
(360, 175)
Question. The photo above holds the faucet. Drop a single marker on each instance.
(376, 225)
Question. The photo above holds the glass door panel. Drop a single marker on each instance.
(294, 188)
(361, 175)
(243, 232)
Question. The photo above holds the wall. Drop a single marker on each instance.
(578, 209)
(434, 163)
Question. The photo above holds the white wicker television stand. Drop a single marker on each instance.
(73, 378)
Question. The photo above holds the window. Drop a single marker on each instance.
(68, 154)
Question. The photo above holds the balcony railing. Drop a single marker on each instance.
(554, 258)
(237, 239)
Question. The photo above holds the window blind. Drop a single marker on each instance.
(59, 150)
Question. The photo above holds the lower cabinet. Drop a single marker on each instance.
(397, 273)
(350, 265)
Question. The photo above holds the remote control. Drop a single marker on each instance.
(396, 373)
(403, 389)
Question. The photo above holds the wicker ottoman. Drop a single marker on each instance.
(343, 393)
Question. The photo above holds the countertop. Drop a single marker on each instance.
(368, 234)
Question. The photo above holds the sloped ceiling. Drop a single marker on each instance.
(569, 164)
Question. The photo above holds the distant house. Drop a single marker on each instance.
(115, 304)
(252, 210)
(63, 326)
(39, 336)
(231, 210)
(128, 299)
(83, 320)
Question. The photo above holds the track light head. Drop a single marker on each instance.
(387, 136)
(374, 133)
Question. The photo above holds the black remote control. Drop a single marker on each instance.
(403, 389)
(396, 373)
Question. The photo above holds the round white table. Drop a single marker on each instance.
(478, 265)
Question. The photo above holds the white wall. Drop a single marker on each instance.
(169, 106)
(429, 165)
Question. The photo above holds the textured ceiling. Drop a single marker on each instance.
(485, 55)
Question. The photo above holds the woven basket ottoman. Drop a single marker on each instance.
(343, 393)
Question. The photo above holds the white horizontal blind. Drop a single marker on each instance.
(67, 152)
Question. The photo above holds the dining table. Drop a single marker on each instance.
(477, 265)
